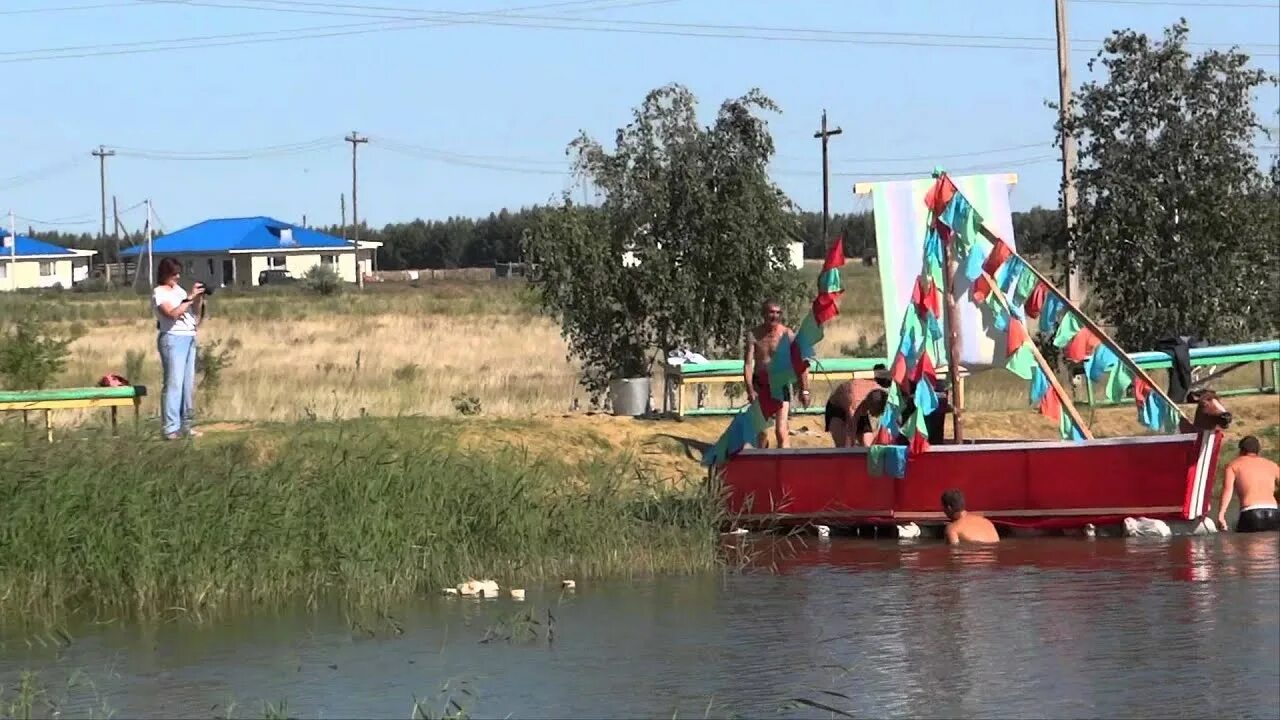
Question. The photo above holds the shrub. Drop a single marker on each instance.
(466, 404)
(30, 357)
(406, 373)
(322, 280)
(211, 360)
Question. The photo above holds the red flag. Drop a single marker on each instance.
(798, 363)
(1015, 337)
(1082, 345)
(1140, 390)
(882, 437)
(1000, 252)
(1035, 303)
(899, 370)
(924, 369)
(919, 443)
(924, 295)
(944, 231)
(939, 196)
(980, 288)
(824, 308)
(1049, 405)
(835, 254)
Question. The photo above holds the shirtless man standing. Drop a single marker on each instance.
(1254, 478)
(761, 343)
(966, 526)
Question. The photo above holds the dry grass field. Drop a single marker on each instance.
(401, 351)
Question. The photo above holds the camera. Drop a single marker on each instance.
(207, 290)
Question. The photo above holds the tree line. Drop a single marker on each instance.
(457, 242)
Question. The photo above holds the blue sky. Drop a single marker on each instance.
(468, 117)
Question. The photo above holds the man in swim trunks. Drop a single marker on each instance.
(1254, 478)
(850, 426)
(965, 526)
(761, 344)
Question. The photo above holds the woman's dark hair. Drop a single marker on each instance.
(878, 399)
(167, 268)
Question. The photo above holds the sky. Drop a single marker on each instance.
(468, 106)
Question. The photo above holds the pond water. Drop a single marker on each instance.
(1046, 627)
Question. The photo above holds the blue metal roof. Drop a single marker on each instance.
(31, 246)
(227, 234)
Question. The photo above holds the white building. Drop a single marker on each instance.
(238, 251)
(30, 263)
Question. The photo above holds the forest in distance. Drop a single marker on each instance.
(457, 242)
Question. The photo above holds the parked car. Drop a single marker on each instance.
(275, 276)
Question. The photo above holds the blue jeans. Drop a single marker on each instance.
(178, 360)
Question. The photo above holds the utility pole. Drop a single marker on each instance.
(115, 233)
(102, 154)
(342, 206)
(151, 271)
(355, 140)
(823, 135)
(1068, 145)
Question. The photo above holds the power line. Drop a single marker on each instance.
(451, 159)
(250, 37)
(943, 156)
(68, 220)
(1174, 3)
(316, 32)
(41, 173)
(371, 11)
(63, 8)
(225, 155)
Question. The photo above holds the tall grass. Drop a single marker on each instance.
(367, 511)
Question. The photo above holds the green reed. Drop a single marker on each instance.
(370, 511)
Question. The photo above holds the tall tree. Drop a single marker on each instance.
(1175, 230)
(706, 231)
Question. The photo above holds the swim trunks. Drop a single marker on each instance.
(1258, 519)
(760, 382)
(832, 412)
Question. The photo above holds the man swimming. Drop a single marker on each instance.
(761, 343)
(848, 425)
(1254, 478)
(965, 526)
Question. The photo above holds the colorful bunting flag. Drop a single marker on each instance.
(1119, 381)
(1081, 346)
(1053, 306)
(1035, 300)
(1039, 385)
(1102, 360)
(887, 460)
(1023, 361)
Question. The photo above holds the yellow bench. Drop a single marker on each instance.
(114, 398)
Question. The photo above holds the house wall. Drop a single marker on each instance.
(27, 273)
(298, 263)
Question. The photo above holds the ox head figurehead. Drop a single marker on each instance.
(1210, 414)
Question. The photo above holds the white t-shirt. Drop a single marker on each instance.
(186, 322)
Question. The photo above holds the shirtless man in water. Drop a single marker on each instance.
(1254, 478)
(966, 526)
(761, 344)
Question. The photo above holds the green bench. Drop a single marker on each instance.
(676, 378)
(113, 398)
(1233, 356)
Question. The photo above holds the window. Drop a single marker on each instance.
(328, 259)
(4, 271)
(46, 268)
(210, 267)
(275, 261)
(188, 267)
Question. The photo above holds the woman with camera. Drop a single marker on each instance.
(177, 315)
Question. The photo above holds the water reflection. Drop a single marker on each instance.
(1050, 627)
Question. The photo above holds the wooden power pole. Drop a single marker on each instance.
(1068, 144)
(823, 135)
(355, 140)
(102, 154)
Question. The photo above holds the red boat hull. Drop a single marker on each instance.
(1021, 484)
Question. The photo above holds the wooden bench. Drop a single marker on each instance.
(823, 372)
(1233, 356)
(114, 398)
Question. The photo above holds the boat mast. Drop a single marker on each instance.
(952, 323)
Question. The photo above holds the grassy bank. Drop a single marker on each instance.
(369, 510)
